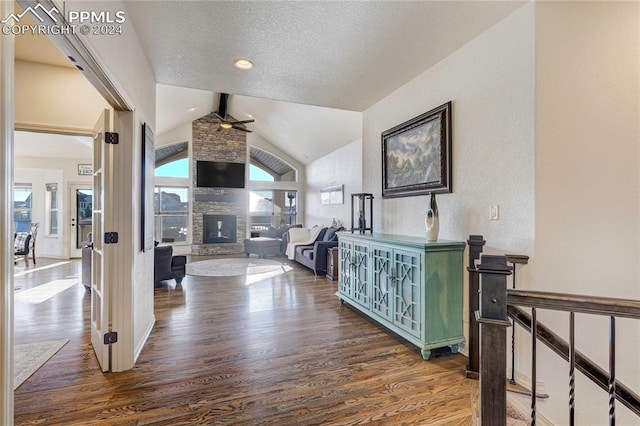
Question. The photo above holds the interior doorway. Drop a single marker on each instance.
(80, 221)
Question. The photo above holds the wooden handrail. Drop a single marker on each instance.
(587, 367)
(621, 308)
(497, 304)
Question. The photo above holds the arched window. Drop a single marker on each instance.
(258, 173)
(267, 167)
(177, 168)
(171, 196)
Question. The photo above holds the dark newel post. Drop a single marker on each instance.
(475, 242)
(492, 318)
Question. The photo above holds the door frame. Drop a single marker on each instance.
(122, 311)
(6, 220)
(71, 232)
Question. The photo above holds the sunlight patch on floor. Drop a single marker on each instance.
(252, 279)
(45, 291)
(42, 268)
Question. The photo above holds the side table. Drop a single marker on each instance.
(332, 263)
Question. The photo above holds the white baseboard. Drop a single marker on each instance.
(142, 341)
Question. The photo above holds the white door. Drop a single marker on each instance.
(100, 287)
(81, 217)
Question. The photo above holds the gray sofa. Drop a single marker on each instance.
(314, 256)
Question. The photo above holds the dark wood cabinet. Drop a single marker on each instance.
(332, 263)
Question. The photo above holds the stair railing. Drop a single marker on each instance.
(497, 304)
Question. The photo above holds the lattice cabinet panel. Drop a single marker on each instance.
(407, 298)
(382, 281)
(360, 274)
(345, 275)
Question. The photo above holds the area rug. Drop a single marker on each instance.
(233, 267)
(28, 358)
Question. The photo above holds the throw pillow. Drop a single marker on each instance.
(298, 234)
(20, 242)
(329, 234)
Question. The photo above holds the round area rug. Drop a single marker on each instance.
(232, 267)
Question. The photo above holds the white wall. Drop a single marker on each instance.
(587, 184)
(55, 96)
(179, 134)
(341, 167)
(490, 82)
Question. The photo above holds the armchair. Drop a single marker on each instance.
(166, 266)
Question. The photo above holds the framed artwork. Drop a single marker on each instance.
(148, 165)
(416, 155)
(85, 169)
(332, 195)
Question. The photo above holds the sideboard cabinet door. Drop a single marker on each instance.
(382, 281)
(407, 291)
(345, 268)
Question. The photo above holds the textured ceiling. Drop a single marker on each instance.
(342, 54)
(323, 60)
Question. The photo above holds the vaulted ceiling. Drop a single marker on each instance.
(317, 64)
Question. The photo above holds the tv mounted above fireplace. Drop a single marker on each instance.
(219, 174)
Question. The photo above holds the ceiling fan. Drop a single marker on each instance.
(222, 116)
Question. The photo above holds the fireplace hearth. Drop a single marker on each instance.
(219, 229)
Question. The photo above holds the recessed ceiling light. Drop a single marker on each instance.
(243, 64)
(192, 109)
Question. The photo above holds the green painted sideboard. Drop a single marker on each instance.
(406, 284)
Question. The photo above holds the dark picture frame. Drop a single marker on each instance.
(416, 155)
(148, 164)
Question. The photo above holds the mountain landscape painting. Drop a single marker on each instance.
(413, 157)
(416, 155)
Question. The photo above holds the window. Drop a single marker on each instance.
(271, 208)
(22, 202)
(258, 173)
(177, 168)
(264, 166)
(52, 209)
(171, 207)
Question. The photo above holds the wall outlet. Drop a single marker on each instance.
(494, 212)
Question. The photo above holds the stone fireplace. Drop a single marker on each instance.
(213, 208)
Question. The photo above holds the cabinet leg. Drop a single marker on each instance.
(426, 354)
(454, 348)
(342, 301)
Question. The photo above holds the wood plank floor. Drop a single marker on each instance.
(277, 351)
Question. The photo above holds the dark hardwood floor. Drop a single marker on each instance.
(279, 351)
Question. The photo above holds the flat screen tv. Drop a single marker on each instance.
(219, 174)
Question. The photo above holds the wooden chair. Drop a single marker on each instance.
(34, 233)
(21, 247)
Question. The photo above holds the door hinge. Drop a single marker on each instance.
(110, 237)
(111, 137)
(111, 337)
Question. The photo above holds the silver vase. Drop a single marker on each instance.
(432, 219)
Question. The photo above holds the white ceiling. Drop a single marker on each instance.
(31, 144)
(317, 64)
(337, 54)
